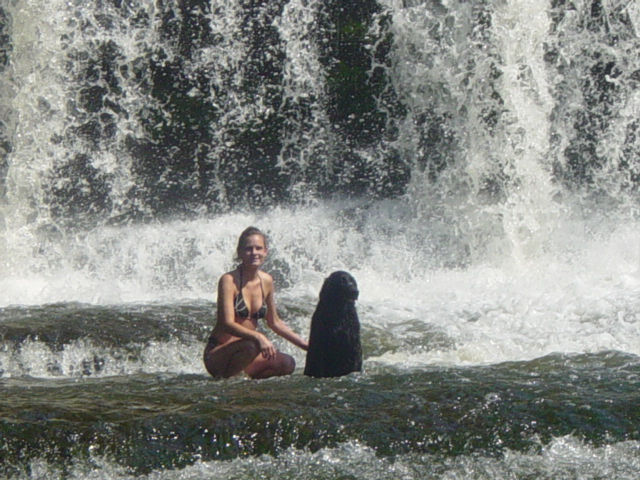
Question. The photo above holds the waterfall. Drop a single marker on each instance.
(477, 130)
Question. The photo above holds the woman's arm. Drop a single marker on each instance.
(282, 329)
(275, 322)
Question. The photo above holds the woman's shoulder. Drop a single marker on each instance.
(228, 278)
(227, 275)
(267, 279)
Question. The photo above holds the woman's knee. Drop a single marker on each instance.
(282, 364)
(288, 364)
(230, 361)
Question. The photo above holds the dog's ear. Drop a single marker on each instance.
(328, 289)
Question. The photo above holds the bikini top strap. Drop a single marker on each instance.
(261, 287)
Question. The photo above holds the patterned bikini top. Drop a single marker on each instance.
(241, 308)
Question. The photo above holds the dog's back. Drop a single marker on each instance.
(334, 341)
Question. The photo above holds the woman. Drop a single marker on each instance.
(246, 295)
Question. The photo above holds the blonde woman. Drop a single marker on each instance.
(246, 295)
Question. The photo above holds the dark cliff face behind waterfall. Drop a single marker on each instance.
(129, 110)
(593, 56)
(185, 107)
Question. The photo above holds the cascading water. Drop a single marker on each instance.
(474, 164)
(468, 112)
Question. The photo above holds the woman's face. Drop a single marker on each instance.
(254, 251)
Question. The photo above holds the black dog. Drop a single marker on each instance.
(334, 341)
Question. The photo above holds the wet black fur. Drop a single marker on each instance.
(334, 341)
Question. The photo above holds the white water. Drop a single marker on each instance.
(582, 295)
(533, 272)
(563, 458)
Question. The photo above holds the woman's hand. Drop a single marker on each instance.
(266, 347)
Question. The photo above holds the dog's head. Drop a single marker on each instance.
(339, 286)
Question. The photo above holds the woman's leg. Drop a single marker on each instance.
(224, 361)
(261, 367)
